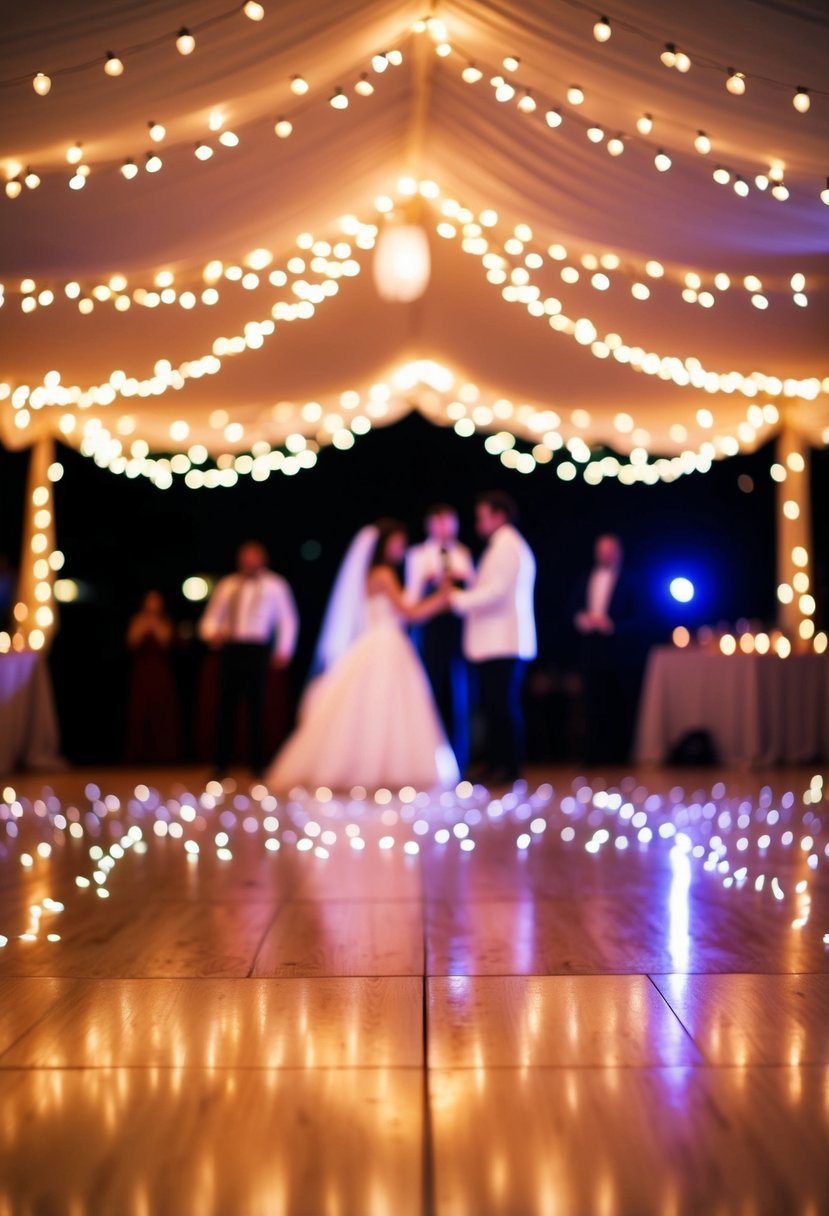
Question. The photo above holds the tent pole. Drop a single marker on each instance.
(794, 538)
(34, 612)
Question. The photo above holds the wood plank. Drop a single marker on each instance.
(496, 1022)
(23, 1002)
(344, 938)
(319, 1023)
(753, 1019)
(515, 1142)
(185, 1142)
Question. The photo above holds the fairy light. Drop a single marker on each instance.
(553, 119)
(644, 124)
(253, 10)
(601, 30)
(575, 95)
(735, 83)
(113, 65)
(471, 74)
(801, 100)
(41, 83)
(157, 131)
(702, 143)
(129, 169)
(338, 100)
(185, 42)
(299, 86)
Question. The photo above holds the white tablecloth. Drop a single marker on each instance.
(758, 709)
(28, 722)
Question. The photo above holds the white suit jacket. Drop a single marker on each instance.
(499, 614)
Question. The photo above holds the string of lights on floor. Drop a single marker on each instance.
(767, 844)
(20, 172)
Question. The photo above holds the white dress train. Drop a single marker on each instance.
(369, 720)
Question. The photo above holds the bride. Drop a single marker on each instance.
(369, 718)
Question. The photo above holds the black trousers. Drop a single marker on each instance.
(243, 678)
(499, 687)
(611, 687)
(439, 642)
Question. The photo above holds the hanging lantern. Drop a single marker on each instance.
(402, 263)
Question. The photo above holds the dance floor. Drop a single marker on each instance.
(586, 996)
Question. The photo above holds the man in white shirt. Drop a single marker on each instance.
(439, 559)
(253, 619)
(607, 620)
(499, 632)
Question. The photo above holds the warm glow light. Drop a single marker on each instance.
(196, 589)
(801, 100)
(736, 83)
(41, 83)
(575, 95)
(253, 10)
(185, 42)
(681, 637)
(113, 65)
(402, 263)
(602, 30)
(299, 85)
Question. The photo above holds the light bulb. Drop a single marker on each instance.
(575, 95)
(379, 63)
(780, 191)
(553, 118)
(41, 83)
(13, 187)
(471, 74)
(721, 176)
(283, 128)
(527, 103)
(511, 63)
(338, 100)
(152, 162)
(702, 143)
(31, 179)
(129, 169)
(741, 186)
(77, 182)
(801, 100)
(595, 135)
(157, 131)
(683, 62)
(229, 139)
(299, 85)
(616, 145)
(253, 10)
(602, 30)
(644, 124)
(203, 151)
(824, 194)
(761, 181)
(662, 161)
(74, 154)
(668, 56)
(113, 65)
(504, 92)
(395, 58)
(185, 42)
(736, 83)
(364, 86)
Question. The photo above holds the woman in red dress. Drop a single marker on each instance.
(153, 715)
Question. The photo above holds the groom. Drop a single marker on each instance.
(441, 558)
(499, 632)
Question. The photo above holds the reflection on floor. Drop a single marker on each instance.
(582, 996)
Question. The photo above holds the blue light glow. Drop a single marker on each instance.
(682, 589)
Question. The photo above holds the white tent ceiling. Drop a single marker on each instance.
(425, 121)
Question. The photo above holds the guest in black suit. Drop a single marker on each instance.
(608, 621)
(441, 558)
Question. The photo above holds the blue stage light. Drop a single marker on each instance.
(682, 589)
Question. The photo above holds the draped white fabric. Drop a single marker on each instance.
(423, 120)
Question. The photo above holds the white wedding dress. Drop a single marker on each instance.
(369, 720)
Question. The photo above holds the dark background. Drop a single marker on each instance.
(121, 537)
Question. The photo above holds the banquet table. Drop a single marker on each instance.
(28, 721)
(757, 709)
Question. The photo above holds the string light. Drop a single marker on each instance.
(283, 128)
(185, 42)
(801, 100)
(157, 131)
(553, 119)
(602, 30)
(702, 143)
(662, 161)
(824, 194)
(113, 65)
(471, 74)
(364, 86)
(152, 162)
(253, 10)
(41, 83)
(644, 124)
(338, 100)
(129, 169)
(575, 95)
(299, 86)
(735, 83)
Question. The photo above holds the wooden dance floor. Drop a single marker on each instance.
(604, 996)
